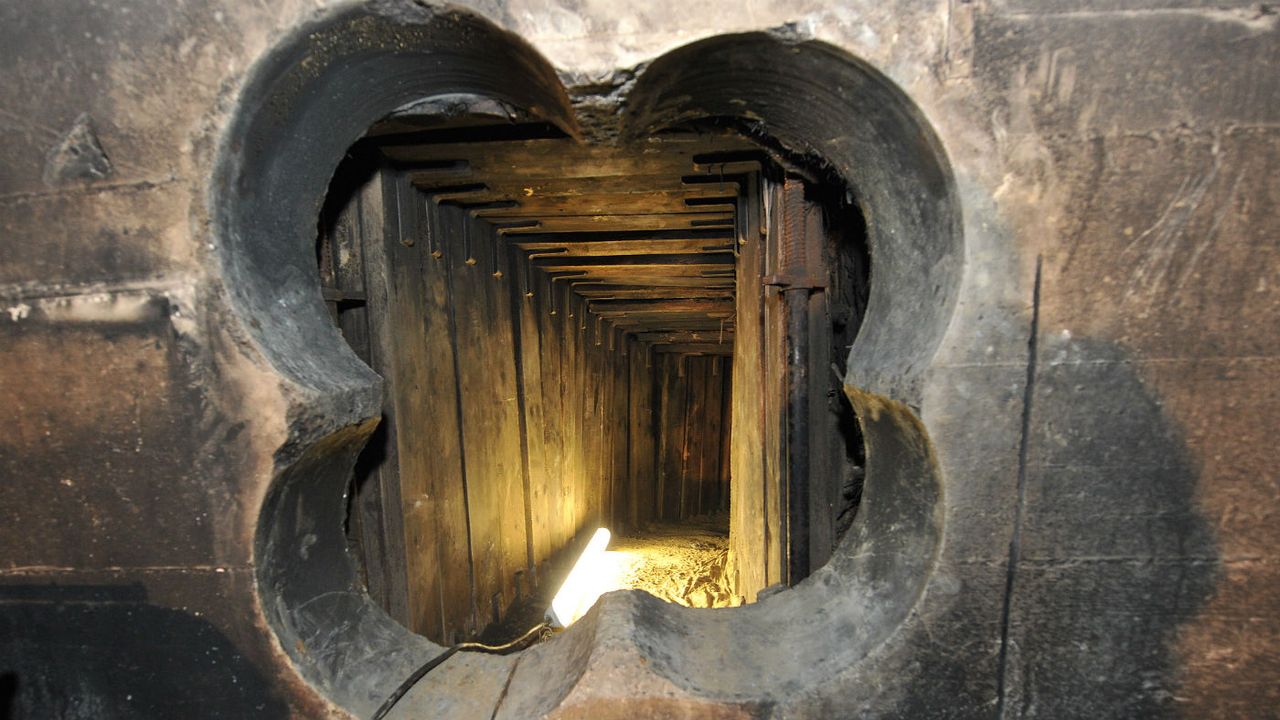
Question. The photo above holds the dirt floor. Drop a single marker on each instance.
(681, 563)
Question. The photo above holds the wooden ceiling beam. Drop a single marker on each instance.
(694, 348)
(625, 247)
(614, 223)
(612, 292)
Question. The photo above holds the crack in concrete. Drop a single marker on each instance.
(1015, 540)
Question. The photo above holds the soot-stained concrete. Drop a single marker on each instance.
(1068, 375)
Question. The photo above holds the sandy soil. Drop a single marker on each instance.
(681, 563)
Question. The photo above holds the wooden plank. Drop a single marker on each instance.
(571, 387)
(642, 444)
(686, 336)
(747, 490)
(516, 187)
(529, 404)
(775, 450)
(616, 223)
(613, 248)
(651, 293)
(672, 428)
(700, 262)
(564, 158)
(825, 446)
(711, 235)
(551, 348)
(705, 325)
(705, 306)
(541, 473)
(694, 432)
(693, 349)
(397, 302)
(490, 423)
(709, 475)
(619, 432)
(651, 281)
(726, 437)
(593, 201)
(341, 261)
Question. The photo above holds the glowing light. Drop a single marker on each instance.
(592, 576)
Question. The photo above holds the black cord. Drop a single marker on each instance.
(438, 660)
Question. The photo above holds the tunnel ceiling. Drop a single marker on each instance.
(643, 233)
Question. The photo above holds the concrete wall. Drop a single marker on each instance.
(1096, 414)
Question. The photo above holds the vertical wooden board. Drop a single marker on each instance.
(509, 258)
(617, 430)
(608, 442)
(709, 481)
(418, 585)
(471, 317)
(588, 423)
(675, 398)
(774, 355)
(405, 314)
(629, 518)
(640, 453)
(490, 421)
(608, 418)
(564, 378)
(550, 346)
(342, 267)
(509, 449)
(654, 377)
(605, 434)
(609, 426)
(690, 380)
(565, 381)
(726, 435)
(564, 374)
(442, 460)
(747, 490)
(593, 431)
(826, 456)
(661, 438)
(577, 413)
(650, 390)
(621, 432)
(695, 431)
(531, 356)
(590, 434)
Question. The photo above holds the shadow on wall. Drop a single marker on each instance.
(1115, 556)
(101, 651)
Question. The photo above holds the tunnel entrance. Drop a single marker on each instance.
(647, 337)
(300, 111)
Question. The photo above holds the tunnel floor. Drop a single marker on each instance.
(679, 562)
(683, 563)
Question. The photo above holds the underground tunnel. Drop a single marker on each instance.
(647, 337)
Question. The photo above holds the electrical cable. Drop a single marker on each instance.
(433, 663)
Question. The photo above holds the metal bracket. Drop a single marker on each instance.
(795, 282)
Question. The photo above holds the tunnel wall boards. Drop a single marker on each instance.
(504, 425)
(756, 525)
(797, 450)
(515, 418)
(692, 422)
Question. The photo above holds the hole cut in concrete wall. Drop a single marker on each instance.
(311, 99)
